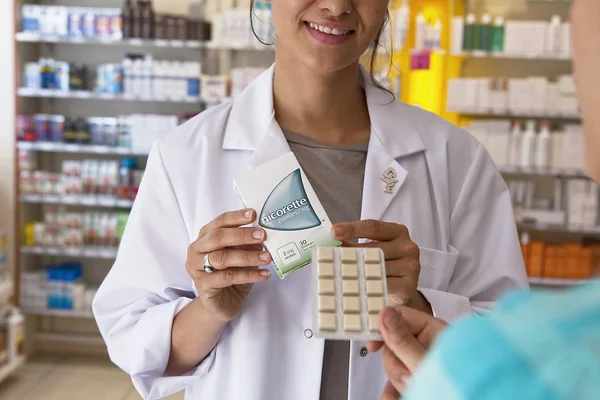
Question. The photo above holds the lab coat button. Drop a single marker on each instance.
(308, 333)
(364, 352)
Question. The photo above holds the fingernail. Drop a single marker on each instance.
(265, 256)
(258, 234)
(391, 319)
(338, 231)
(265, 273)
(248, 214)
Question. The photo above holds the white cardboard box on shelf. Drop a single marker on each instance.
(545, 217)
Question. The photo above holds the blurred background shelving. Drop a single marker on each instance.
(89, 104)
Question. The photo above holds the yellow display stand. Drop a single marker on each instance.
(425, 87)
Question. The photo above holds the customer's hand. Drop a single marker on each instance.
(401, 254)
(235, 253)
(408, 334)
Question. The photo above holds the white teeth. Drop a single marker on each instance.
(327, 30)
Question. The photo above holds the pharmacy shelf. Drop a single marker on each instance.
(78, 148)
(10, 368)
(539, 227)
(81, 201)
(70, 338)
(558, 172)
(238, 47)
(58, 313)
(516, 56)
(526, 115)
(102, 253)
(25, 37)
(555, 282)
(86, 95)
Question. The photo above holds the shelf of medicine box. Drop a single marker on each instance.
(87, 95)
(560, 229)
(10, 368)
(239, 47)
(57, 313)
(82, 252)
(26, 37)
(557, 172)
(515, 56)
(525, 115)
(78, 148)
(85, 339)
(75, 200)
(555, 282)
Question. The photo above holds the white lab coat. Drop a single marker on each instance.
(449, 195)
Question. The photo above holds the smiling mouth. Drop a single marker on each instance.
(329, 31)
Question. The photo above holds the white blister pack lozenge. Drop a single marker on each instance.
(288, 210)
(349, 291)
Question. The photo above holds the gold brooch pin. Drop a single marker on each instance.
(389, 178)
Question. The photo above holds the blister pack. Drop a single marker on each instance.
(349, 291)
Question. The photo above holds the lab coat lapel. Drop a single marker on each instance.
(252, 125)
(384, 177)
(393, 136)
(272, 145)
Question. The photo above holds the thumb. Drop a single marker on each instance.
(399, 339)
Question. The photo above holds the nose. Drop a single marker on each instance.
(336, 8)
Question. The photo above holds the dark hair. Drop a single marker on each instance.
(373, 56)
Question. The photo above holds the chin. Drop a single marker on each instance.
(329, 64)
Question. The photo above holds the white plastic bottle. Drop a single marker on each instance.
(158, 80)
(553, 36)
(542, 146)
(515, 144)
(136, 77)
(420, 31)
(16, 335)
(402, 21)
(436, 35)
(178, 81)
(128, 76)
(147, 70)
(528, 146)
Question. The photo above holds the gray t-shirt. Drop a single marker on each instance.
(337, 175)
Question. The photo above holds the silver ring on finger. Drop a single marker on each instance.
(208, 268)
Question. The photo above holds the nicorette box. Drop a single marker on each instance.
(289, 211)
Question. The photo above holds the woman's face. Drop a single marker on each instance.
(326, 35)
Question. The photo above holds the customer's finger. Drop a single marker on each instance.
(374, 346)
(390, 392)
(423, 326)
(400, 340)
(231, 219)
(394, 368)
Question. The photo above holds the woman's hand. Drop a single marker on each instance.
(402, 261)
(408, 334)
(235, 253)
